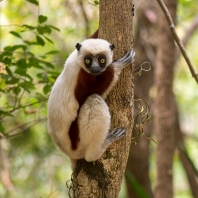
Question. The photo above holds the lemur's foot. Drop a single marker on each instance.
(115, 134)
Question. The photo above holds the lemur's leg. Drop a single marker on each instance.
(94, 123)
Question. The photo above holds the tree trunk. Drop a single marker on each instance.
(165, 107)
(138, 163)
(105, 177)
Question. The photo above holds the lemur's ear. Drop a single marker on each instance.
(112, 46)
(78, 46)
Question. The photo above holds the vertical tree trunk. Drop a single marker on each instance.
(105, 177)
(138, 163)
(165, 108)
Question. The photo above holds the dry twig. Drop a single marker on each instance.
(177, 40)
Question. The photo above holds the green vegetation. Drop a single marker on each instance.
(35, 39)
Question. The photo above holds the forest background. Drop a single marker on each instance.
(35, 40)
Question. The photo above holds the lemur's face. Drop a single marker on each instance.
(95, 64)
(94, 55)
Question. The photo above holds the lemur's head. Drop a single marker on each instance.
(94, 55)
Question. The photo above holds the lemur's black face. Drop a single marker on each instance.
(95, 64)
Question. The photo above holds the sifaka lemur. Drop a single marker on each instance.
(78, 117)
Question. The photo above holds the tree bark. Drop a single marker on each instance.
(164, 105)
(138, 163)
(103, 180)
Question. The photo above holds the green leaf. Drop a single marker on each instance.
(42, 19)
(15, 47)
(49, 65)
(23, 73)
(5, 113)
(7, 61)
(46, 89)
(44, 29)
(96, 2)
(4, 76)
(12, 81)
(22, 64)
(28, 27)
(55, 28)
(49, 39)
(17, 90)
(15, 34)
(35, 2)
(52, 52)
(40, 40)
(8, 70)
(27, 86)
(2, 129)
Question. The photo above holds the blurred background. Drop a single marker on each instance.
(35, 40)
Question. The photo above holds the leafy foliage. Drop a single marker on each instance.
(26, 78)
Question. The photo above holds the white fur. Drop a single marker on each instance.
(94, 116)
(94, 122)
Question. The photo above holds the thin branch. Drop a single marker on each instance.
(80, 2)
(22, 127)
(177, 40)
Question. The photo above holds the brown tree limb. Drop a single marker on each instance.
(103, 178)
(177, 39)
(164, 106)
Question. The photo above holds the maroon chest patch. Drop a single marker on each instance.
(87, 85)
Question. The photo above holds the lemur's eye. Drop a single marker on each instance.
(87, 61)
(102, 60)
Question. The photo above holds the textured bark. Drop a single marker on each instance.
(165, 107)
(105, 177)
(138, 163)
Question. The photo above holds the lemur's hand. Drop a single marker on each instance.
(127, 59)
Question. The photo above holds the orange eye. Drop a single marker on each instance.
(102, 60)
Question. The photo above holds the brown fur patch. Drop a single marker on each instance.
(87, 85)
(74, 134)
